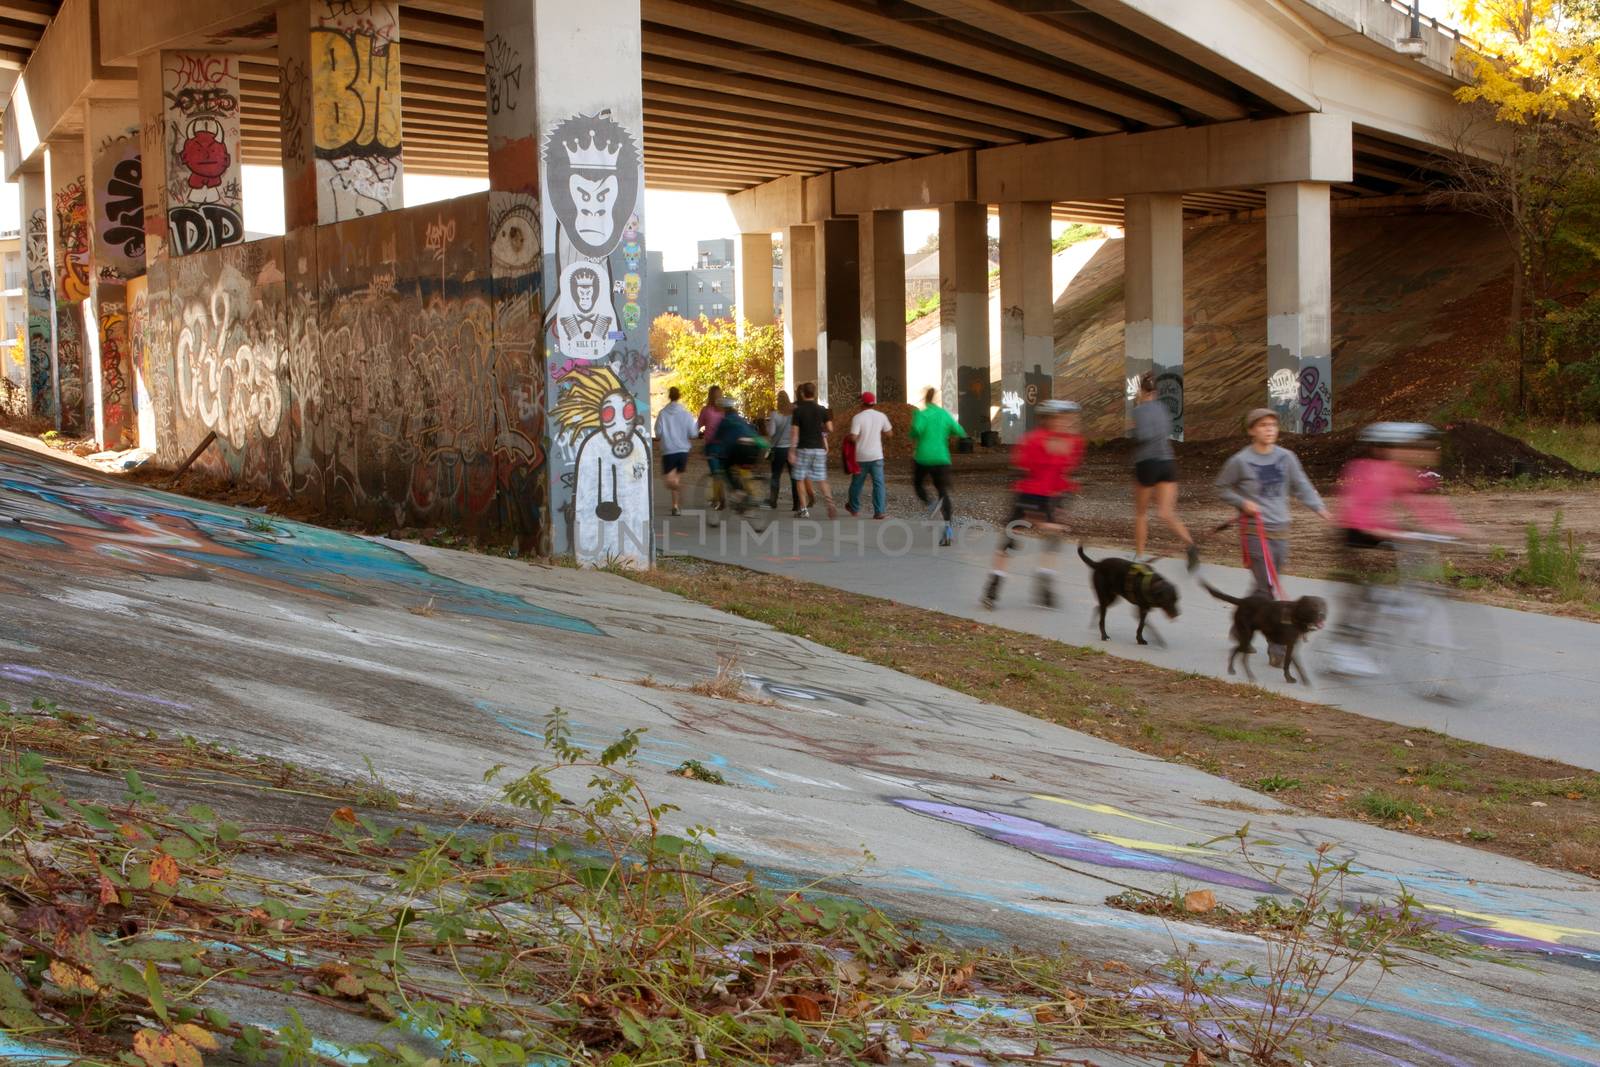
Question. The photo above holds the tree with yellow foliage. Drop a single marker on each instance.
(1535, 83)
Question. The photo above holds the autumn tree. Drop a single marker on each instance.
(1531, 162)
(712, 353)
(664, 329)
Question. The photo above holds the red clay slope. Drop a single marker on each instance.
(1417, 301)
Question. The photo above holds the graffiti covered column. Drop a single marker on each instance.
(1027, 316)
(116, 257)
(193, 193)
(520, 377)
(838, 312)
(1299, 318)
(587, 68)
(69, 258)
(339, 109)
(41, 294)
(883, 305)
(1153, 300)
(964, 313)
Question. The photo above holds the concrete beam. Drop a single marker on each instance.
(129, 29)
(1230, 155)
(910, 183)
(771, 206)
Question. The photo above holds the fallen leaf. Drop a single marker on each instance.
(346, 815)
(164, 870)
(1199, 901)
(351, 986)
(1538, 804)
(1200, 1059)
(802, 1006)
(155, 1049)
(198, 1037)
(72, 980)
(108, 892)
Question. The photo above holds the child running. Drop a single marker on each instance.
(1046, 460)
(1258, 480)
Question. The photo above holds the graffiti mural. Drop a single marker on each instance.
(1316, 401)
(119, 530)
(204, 188)
(41, 285)
(596, 414)
(72, 242)
(69, 368)
(354, 85)
(593, 172)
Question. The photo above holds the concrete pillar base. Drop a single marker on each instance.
(1299, 315)
(1027, 317)
(1153, 293)
(964, 313)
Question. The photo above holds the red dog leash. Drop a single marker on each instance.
(1266, 553)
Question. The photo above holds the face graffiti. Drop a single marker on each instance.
(611, 483)
(201, 134)
(592, 175)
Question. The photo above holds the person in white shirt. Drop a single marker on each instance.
(868, 429)
(674, 430)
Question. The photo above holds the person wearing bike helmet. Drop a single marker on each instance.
(1045, 460)
(736, 446)
(1384, 495)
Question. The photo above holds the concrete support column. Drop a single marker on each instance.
(838, 312)
(1299, 318)
(339, 109)
(1153, 299)
(521, 369)
(189, 117)
(41, 294)
(69, 257)
(587, 68)
(1027, 316)
(964, 313)
(883, 305)
(753, 280)
(116, 257)
(799, 306)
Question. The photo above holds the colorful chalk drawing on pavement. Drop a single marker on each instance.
(114, 530)
(1047, 840)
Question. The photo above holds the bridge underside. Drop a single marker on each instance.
(483, 363)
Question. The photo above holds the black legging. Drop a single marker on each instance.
(940, 473)
(780, 463)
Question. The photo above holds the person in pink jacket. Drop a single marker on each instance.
(1390, 491)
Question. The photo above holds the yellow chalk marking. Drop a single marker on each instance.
(1107, 809)
(1146, 846)
(1520, 927)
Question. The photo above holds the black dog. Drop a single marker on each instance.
(1281, 622)
(1136, 583)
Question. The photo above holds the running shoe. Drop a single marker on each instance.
(1044, 595)
(991, 592)
(803, 513)
(1193, 554)
(949, 536)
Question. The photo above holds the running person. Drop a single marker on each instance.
(931, 430)
(1046, 459)
(1155, 471)
(674, 427)
(1258, 480)
(710, 416)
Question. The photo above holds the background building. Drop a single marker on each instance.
(706, 289)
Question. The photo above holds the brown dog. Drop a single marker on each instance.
(1281, 622)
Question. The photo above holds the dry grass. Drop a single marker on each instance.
(1305, 756)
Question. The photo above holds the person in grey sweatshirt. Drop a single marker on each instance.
(1155, 471)
(1258, 480)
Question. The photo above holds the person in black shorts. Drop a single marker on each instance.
(1155, 470)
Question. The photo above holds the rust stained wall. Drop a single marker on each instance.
(352, 367)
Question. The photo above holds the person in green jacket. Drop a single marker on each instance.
(931, 430)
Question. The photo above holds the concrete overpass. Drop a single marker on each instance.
(474, 363)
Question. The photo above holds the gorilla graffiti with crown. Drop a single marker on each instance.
(592, 181)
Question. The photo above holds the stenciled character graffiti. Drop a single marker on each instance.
(584, 325)
(592, 175)
(611, 490)
(202, 134)
(205, 153)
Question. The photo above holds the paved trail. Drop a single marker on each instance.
(163, 612)
(1536, 678)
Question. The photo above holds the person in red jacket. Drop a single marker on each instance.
(1046, 459)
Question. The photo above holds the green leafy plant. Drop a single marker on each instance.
(1554, 560)
(1391, 809)
(747, 367)
(1277, 783)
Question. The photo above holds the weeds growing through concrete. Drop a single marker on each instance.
(141, 926)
